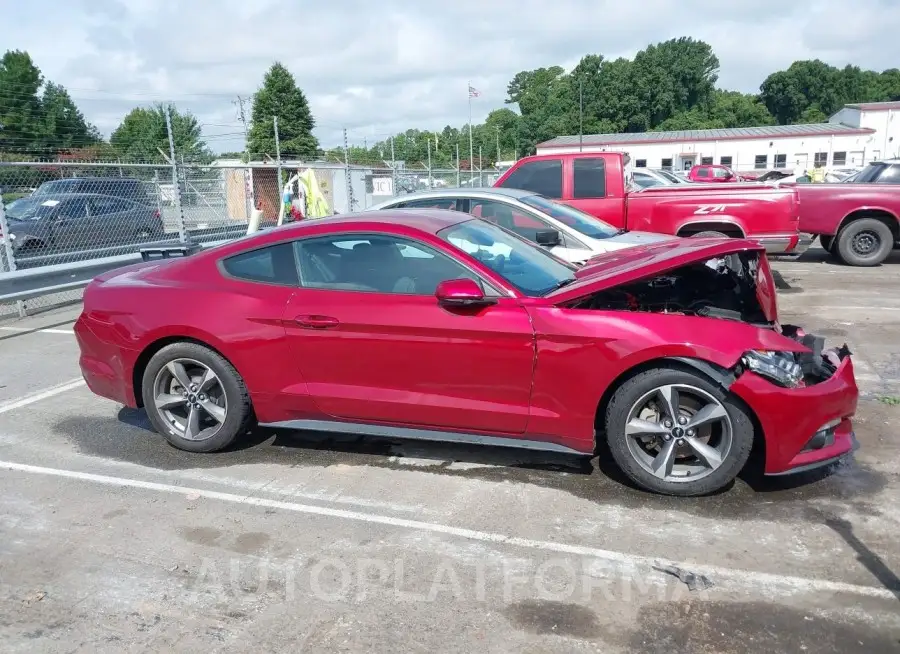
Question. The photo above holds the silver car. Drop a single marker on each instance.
(567, 232)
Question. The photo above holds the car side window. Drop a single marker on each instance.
(543, 176)
(375, 264)
(589, 177)
(431, 203)
(105, 206)
(720, 173)
(73, 208)
(274, 264)
(526, 225)
(703, 172)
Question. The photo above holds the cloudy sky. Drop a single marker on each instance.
(380, 67)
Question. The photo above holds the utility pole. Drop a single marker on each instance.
(347, 178)
(498, 144)
(239, 103)
(278, 154)
(580, 114)
(176, 185)
(480, 168)
(457, 163)
(430, 179)
(393, 168)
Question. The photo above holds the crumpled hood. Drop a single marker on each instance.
(624, 266)
(630, 239)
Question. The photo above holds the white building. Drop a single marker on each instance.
(855, 135)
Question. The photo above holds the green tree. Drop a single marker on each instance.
(280, 96)
(21, 126)
(142, 135)
(64, 126)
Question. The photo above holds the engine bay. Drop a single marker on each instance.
(723, 287)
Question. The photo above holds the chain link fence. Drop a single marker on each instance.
(57, 213)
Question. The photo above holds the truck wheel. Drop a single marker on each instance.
(827, 242)
(709, 235)
(864, 242)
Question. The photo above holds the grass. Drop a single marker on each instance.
(890, 400)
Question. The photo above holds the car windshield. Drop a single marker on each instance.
(670, 176)
(870, 173)
(581, 222)
(30, 209)
(527, 267)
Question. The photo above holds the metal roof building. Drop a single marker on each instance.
(853, 136)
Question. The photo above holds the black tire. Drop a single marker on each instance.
(827, 242)
(710, 235)
(239, 414)
(864, 242)
(631, 391)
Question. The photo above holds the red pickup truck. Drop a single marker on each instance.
(857, 223)
(595, 183)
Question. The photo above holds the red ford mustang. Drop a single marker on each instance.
(437, 325)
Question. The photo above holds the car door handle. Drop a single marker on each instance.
(316, 322)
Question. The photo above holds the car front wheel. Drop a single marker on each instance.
(195, 398)
(675, 432)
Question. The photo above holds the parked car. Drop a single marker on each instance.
(877, 172)
(595, 183)
(669, 175)
(567, 232)
(79, 221)
(713, 173)
(407, 324)
(856, 222)
(645, 178)
(128, 188)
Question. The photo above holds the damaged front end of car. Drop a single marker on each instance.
(802, 394)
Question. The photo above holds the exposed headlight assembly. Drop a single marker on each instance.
(778, 367)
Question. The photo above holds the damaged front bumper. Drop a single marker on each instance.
(808, 425)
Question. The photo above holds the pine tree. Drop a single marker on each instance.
(280, 96)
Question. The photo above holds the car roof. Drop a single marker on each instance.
(426, 220)
(94, 179)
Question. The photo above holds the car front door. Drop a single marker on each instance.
(70, 224)
(373, 344)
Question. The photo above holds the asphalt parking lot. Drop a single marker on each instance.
(110, 540)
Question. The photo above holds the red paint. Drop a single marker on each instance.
(825, 208)
(761, 212)
(519, 367)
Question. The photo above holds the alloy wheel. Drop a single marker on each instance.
(190, 398)
(678, 433)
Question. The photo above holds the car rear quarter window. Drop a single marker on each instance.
(274, 264)
(590, 178)
(703, 172)
(543, 176)
(431, 203)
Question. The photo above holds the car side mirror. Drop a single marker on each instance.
(548, 238)
(461, 293)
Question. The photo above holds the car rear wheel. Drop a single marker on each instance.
(864, 242)
(675, 432)
(827, 242)
(195, 398)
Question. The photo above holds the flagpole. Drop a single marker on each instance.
(471, 149)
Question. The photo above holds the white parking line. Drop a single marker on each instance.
(622, 562)
(41, 395)
(37, 331)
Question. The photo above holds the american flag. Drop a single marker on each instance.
(473, 92)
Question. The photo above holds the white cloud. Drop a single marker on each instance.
(376, 68)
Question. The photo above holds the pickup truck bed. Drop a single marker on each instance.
(595, 183)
